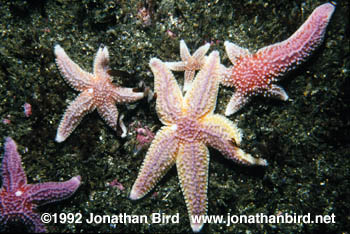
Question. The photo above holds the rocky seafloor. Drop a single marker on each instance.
(305, 139)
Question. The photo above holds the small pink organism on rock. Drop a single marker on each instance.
(171, 34)
(144, 136)
(144, 16)
(117, 184)
(6, 121)
(27, 109)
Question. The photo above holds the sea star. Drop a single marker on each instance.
(97, 91)
(190, 125)
(18, 200)
(190, 63)
(253, 74)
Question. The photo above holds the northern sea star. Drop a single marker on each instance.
(190, 63)
(253, 74)
(97, 92)
(18, 200)
(190, 125)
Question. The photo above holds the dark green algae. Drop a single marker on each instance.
(305, 139)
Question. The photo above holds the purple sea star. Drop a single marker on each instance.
(18, 200)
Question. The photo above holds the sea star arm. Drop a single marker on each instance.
(221, 134)
(201, 98)
(76, 110)
(234, 51)
(13, 176)
(48, 192)
(237, 101)
(109, 112)
(101, 62)
(33, 221)
(199, 54)
(71, 72)
(277, 92)
(192, 166)
(189, 74)
(175, 66)
(297, 47)
(184, 52)
(121, 94)
(185, 57)
(169, 96)
(160, 157)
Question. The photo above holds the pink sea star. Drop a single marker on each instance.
(18, 200)
(190, 126)
(97, 92)
(189, 63)
(253, 74)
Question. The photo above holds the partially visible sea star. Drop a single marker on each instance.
(19, 200)
(253, 74)
(190, 63)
